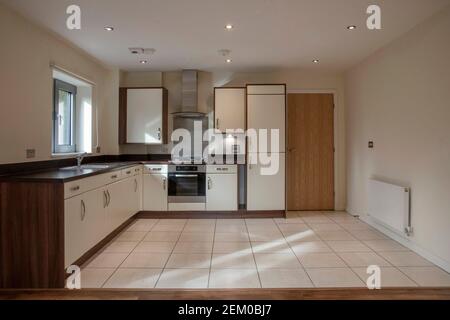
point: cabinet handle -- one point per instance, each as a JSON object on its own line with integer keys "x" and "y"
{"x": 209, "y": 183}
{"x": 135, "y": 185}
{"x": 114, "y": 176}
{"x": 105, "y": 199}
{"x": 217, "y": 123}
{"x": 164, "y": 183}
{"x": 136, "y": 170}
{"x": 76, "y": 188}
{"x": 159, "y": 133}
{"x": 109, "y": 198}
{"x": 128, "y": 172}
{"x": 83, "y": 210}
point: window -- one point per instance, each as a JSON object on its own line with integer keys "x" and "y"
{"x": 73, "y": 115}
{"x": 64, "y": 119}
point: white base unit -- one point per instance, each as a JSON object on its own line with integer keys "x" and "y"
{"x": 265, "y": 192}
{"x": 222, "y": 188}
{"x": 186, "y": 207}
{"x": 155, "y": 188}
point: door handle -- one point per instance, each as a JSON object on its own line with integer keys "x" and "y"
{"x": 217, "y": 123}
{"x": 164, "y": 184}
{"x": 135, "y": 185}
{"x": 159, "y": 133}
{"x": 186, "y": 175}
{"x": 109, "y": 198}
{"x": 105, "y": 199}
{"x": 83, "y": 210}
{"x": 209, "y": 183}
{"x": 291, "y": 149}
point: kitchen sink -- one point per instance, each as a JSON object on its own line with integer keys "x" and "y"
{"x": 87, "y": 167}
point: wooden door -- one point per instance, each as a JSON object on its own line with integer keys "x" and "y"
{"x": 310, "y": 159}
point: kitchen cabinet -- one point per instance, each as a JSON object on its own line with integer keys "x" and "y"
{"x": 229, "y": 108}
{"x": 265, "y": 192}
{"x": 222, "y": 188}
{"x": 155, "y": 187}
{"x": 143, "y": 115}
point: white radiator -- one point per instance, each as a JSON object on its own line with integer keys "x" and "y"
{"x": 389, "y": 205}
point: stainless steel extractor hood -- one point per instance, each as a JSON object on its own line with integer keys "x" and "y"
{"x": 189, "y": 106}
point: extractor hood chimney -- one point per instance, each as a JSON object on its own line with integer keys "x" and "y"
{"x": 189, "y": 99}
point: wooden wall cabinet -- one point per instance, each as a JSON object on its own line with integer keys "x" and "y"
{"x": 229, "y": 108}
{"x": 143, "y": 115}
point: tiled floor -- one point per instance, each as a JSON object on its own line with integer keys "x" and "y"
{"x": 309, "y": 249}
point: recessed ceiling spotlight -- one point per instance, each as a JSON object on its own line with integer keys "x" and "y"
{"x": 315, "y": 61}
{"x": 144, "y": 61}
{"x": 229, "y": 27}
{"x": 109, "y": 28}
{"x": 351, "y": 27}
{"x": 229, "y": 60}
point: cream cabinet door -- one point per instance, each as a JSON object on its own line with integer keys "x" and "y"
{"x": 117, "y": 204}
{"x": 221, "y": 192}
{"x": 155, "y": 192}
{"x": 265, "y": 192}
{"x": 229, "y": 108}
{"x": 266, "y": 112}
{"x": 84, "y": 220}
{"x": 145, "y": 115}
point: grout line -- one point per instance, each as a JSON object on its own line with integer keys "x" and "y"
{"x": 212, "y": 251}
{"x": 171, "y": 252}
{"x": 253, "y": 254}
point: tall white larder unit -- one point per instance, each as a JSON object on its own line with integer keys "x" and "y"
{"x": 266, "y": 110}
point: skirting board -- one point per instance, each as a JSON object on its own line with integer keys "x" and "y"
{"x": 210, "y": 214}
{"x": 408, "y": 244}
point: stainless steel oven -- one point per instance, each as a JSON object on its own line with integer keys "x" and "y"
{"x": 187, "y": 183}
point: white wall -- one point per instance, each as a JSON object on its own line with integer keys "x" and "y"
{"x": 26, "y": 102}
{"x": 400, "y": 98}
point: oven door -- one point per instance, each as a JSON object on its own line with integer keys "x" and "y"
{"x": 187, "y": 188}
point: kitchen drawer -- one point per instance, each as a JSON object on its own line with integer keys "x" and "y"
{"x": 221, "y": 169}
{"x": 77, "y": 187}
{"x": 137, "y": 170}
{"x": 128, "y": 172}
{"x": 155, "y": 168}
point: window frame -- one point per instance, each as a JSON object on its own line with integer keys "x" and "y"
{"x": 67, "y": 87}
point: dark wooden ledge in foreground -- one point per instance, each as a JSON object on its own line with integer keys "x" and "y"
{"x": 229, "y": 294}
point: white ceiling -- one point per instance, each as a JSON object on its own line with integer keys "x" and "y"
{"x": 267, "y": 34}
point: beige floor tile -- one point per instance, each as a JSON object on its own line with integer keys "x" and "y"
{"x": 189, "y": 260}
{"x": 196, "y": 237}
{"x": 162, "y": 236}
{"x": 95, "y": 278}
{"x": 322, "y": 260}
{"x": 385, "y": 245}
{"x": 324, "y": 226}
{"x": 234, "y": 278}
{"x": 227, "y": 222}
{"x": 233, "y": 261}
{"x": 348, "y": 246}
{"x": 404, "y": 259}
{"x": 232, "y": 247}
{"x": 131, "y": 236}
{"x": 284, "y": 278}
{"x": 203, "y": 222}
{"x": 259, "y": 221}
{"x": 120, "y": 247}
{"x": 301, "y": 248}
{"x": 278, "y": 246}
{"x": 308, "y": 213}
{"x": 368, "y": 235}
{"x": 363, "y": 259}
{"x": 231, "y": 237}
{"x": 265, "y": 236}
{"x": 145, "y": 260}
{"x": 172, "y": 221}
{"x": 168, "y": 227}
{"x": 335, "y": 235}
{"x": 193, "y": 247}
{"x": 334, "y": 278}
{"x": 317, "y": 219}
{"x": 107, "y": 260}
{"x": 183, "y": 278}
{"x": 357, "y": 225}
{"x": 428, "y": 276}
{"x": 154, "y": 247}
{"x": 305, "y": 236}
{"x": 289, "y": 220}
{"x": 142, "y": 225}
{"x": 231, "y": 228}
{"x": 133, "y": 278}
{"x": 276, "y": 260}
{"x": 390, "y": 277}
{"x": 293, "y": 227}
{"x": 199, "y": 228}
{"x": 343, "y": 219}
